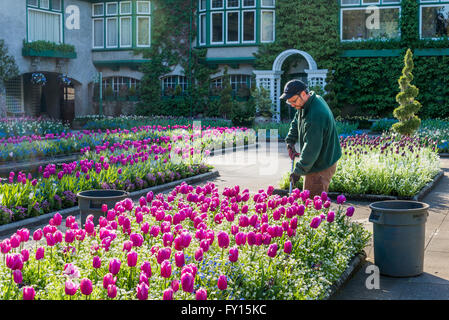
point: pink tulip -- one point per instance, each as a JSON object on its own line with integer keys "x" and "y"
{"x": 28, "y": 293}
{"x": 146, "y": 267}
{"x": 132, "y": 258}
{"x": 240, "y": 239}
{"x": 315, "y": 223}
{"x": 179, "y": 259}
{"x": 37, "y": 235}
{"x": 57, "y": 219}
{"x": 222, "y": 282}
{"x": 168, "y": 294}
{"x": 166, "y": 269}
{"x": 137, "y": 239}
{"x": 223, "y": 239}
{"x": 201, "y": 294}
{"x": 187, "y": 282}
{"x": 143, "y": 278}
{"x": 331, "y": 216}
{"x": 40, "y": 253}
{"x": 272, "y": 250}
{"x": 199, "y": 254}
{"x": 17, "y": 275}
{"x": 114, "y": 266}
{"x": 70, "y": 288}
{"x": 175, "y": 285}
{"x": 96, "y": 262}
{"x": 145, "y": 228}
{"x": 142, "y": 291}
{"x": 109, "y": 279}
{"x": 233, "y": 254}
{"x": 86, "y": 286}
{"x": 15, "y": 240}
{"x": 127, "y": 245}
{"x": 112, "y": 291}
{"x": 288, "y": 247}
{"x": 69, "y": 236}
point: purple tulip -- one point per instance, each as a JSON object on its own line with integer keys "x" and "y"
{"x": 341, "y": 199}
{"x": 108, "y": 280}
{"x": 168, "y": 294}
{"x": 114, "y": 266}
{"x": 233, "y": 254}
{"x": 222, "y": 282}
{"x": 112, "y": 291}
{"x": 187, "y": 282}
{"x": 331, "y": 216}
{"x": 350, "y": 211}
{"x": 70, "y": 288}
{"x": 96, "y": 262}
{"x": 201, "y": 294}
{"x": 288, "y": 247}
{"x": 28, "y": 293}
{"x": 223, "y": 239}
{"x": 17, "y": 275}
{"x": 86, "y": 286}
{"x": 272, "y": 250}
{"x": 315, "y": 222}
{"x": 142, "y": 291}
{"x": 132, "y": 258}
{"x": 146, "y": 267}
{"x": 166, "y": 269}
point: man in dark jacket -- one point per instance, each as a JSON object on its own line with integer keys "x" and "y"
{"x": 314, "y": 128}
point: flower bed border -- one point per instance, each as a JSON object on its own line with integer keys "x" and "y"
{"x": 352, "y": 268}
{"x": 374, "y": 197}
{"x": 42, "y": 219}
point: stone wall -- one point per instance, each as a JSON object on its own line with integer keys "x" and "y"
{"x": 116, "y": 108}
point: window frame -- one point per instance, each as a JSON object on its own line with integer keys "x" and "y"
{"x": 93, "y": 10}
{"x": 347, "y": 8}
{"x": 120, "y": 31}
{"x": 245, "y": 7}
{"x": 61, "y": 21}
{"x": 265, "y": 6}
{"x": 93, "y": 32}
{"x": 233, "y": 8}
{"x": 429, "y": 4}
{"x": 137, "y": 31}
{"x": 243, "y": 26}
{"x": 222, "y": 29}
{"x": 238, "y": 27}
{"x": 126, "y": 13}
{"x": 274, "y": 26}
{"x": 107, "y": 35}
{"x": 143, "y": 13}
{"x": 111, "y": 14}
{"x": 200, "y": 29}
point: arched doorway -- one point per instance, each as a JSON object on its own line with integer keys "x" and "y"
{"x": 271, "y": 79}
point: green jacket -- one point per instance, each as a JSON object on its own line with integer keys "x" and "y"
{"x": 315, "y": 129}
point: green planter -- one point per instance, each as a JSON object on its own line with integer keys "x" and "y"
{"x": 28, "y": 52}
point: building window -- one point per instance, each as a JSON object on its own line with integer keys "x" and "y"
{"x": 44, "y": 21}
{"x": 171, "y": 83}
{"x": 217, "y": 27}
{"x": 366, "y": 22}
{"x": 203, "y": 27}
{"x": 202, "y": 5}
{"x": 123, "y": 24}
{"x": 120, "y": 83}
{"x": 267, "y": 27}
{"x": 98, "y": 37}
{"x": 237, "y": 81}
{"x": 233, "y": 26}
{"x": 434, "y": 21}
{"x": 231, "y": 22}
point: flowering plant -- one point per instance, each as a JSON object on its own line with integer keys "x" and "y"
{"x": 39, "y": 79}
{"x": 65, "y": 80}
{"x": 193, "y": 243}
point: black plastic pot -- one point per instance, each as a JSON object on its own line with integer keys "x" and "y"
{"x": 91, "y": 201}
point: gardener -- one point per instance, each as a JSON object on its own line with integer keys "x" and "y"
{"x": 315, "y": 129}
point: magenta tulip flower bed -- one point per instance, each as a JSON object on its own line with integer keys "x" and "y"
{"x": 192, "y": 244}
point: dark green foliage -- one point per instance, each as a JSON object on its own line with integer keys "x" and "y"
{"x": 359, "y": 86}
{"x": 226, "y": 100}
{"x": 243, "y": 113}
{"x": 8, "y": 67}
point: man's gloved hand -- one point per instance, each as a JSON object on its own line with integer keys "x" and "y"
{"x": 292, "y": 151}
{"x": 294, "y": 178}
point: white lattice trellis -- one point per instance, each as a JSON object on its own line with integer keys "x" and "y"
{"x": 271, "y": 79}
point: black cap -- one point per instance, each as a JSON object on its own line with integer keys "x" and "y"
{"x": 293, "y": 87}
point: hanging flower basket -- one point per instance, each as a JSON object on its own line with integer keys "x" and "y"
{"x": 64, "y": 79}
{"x": 38, "y": 79}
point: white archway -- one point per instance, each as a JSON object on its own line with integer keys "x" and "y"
{"x": 271, "y": 79}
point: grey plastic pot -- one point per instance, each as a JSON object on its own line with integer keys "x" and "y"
{"x": 399, "y": 236}
{"x": 91, "y": 201}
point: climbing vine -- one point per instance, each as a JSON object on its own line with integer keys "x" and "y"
{"x": 359, "y": 86}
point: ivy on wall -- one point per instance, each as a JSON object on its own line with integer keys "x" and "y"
{"x": 173, "y": 30}
{"x": 359, "y": 86}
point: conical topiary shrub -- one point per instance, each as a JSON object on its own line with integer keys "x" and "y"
{"x": 408, "y": 106}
